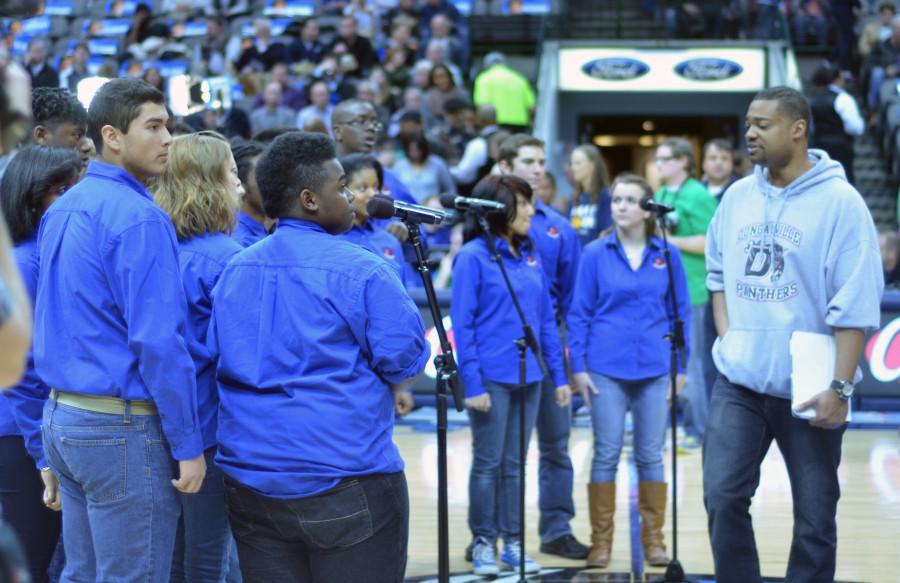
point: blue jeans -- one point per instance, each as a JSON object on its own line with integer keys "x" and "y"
{"x": 203, "y": 539}
{"x": 357, "y": 531}
{"x": 697, "y": 391}
{"x": 647, "y": 399}
{"x": 23, "y": 508}
{"x": 119, "y": 507}
{"x": 877, "y": 77}
{"x": 555, "y": 473}
{"x": 494, "y": 477}
{"x": 742, "y": 425}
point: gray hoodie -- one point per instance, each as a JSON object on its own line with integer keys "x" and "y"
{"x": 803, "y": 258}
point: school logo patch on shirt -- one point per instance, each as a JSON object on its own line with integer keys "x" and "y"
{"x": 553, "y": 232}
{"x": 530, "y": 260}
{"x": 659, "y": 263}
{"x": 389, "y": 254}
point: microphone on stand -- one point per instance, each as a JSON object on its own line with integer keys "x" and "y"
{"x": 649, "y": 204}
{"x": 463, "y": 203}
{"x": 385, "y": 207}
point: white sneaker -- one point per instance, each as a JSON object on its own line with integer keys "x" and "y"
{"x": 484, "y": 561}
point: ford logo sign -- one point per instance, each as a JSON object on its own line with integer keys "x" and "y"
{"x": 616, "y": 68}
{"x": 708, "y": 69}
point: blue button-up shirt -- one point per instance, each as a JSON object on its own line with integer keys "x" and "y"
{"x": 110, "y": 309}
{"x": 485, "y": 322}
{"x": 21, "y": 407}
{"x": 620, "y": 316}
{"x": 310, "y": 331}
{"x": 379, "y": 242}
{"x": 559, "y": 247}
{"x": 202, "y": 260}
{"x": 247, "y": 231}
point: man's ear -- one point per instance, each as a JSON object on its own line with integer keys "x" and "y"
{"x": 801, "y": 129}
{"x": 41, "y": 135}
{"x": 338, "y": 133}
{"x": 505, "y": 167}
{"x": 111, "y": 139}
{"x": 309, "y": 200}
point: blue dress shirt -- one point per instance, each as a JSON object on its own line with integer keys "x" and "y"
{"x": 559, "y": 247}
{"x": 485, "y": 322}
{"x": 202, "y": 260}
{"x": 381, "y": 243}
{"x": 22, "y": 407}
{"x": 620, "y": 316}
{"x": 110, "y": 309}
{"x": 310, "y": 331}
{"x": 247, "y": 231}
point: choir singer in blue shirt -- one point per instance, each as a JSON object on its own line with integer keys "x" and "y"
{"x": 317, "y": 342}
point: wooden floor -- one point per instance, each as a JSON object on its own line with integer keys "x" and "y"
{"x": 868, "y": 514}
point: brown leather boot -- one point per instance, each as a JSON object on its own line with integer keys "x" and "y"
{"x": 652, "y": 506}
{"x": 602, "y": 503}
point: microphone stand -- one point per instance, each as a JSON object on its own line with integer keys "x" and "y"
{"x": 674, "y": 571}
{"x": 447, "y": 375}
{"x": 527, "y": 341}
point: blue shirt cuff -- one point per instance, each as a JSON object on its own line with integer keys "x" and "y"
{"x": 188, "y": 447}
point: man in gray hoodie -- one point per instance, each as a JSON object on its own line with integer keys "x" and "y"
{"x": 791, "y": 248}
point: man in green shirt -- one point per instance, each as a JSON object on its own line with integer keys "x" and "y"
{"x": 694, "y": 209}
{"x": 507, "y": 90}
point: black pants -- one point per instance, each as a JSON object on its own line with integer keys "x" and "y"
{"x": 21, "y": 491}
{"x": 356, "y": 532}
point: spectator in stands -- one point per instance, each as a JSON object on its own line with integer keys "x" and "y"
{"x": 331, "y": 71}
{"x": 139, "y": 30}
{"x": 844, "y": 16}
{"x": 152, "y": 76}
{"x": 291, "y": 96}
{"x": 836, "y": 120}
{"x": 29, "y": 490}
{"x": 769, "y": 20}
{"x": 811, "y": 23}
{"x": 441, "y": 32}
{"x": 718, "y": 167}
{"x": 457, "y": 129}
{"x": 546, "y": 192}
{"x": 260, "y": 52}
{"x": 404, "y": 12}
{"x": 876, "y": 31}
{"x": 307, "y": 48}
{"x": 252, "y": 223}
{"x": 889, "y": 243}
{"x": 77, "y": 69}
{"x": 272, "y": 114}
{"x": 441, "y": 89}
{"x": 412, "y": 102}
{"x": 423, "y": 173}
{"x": 591, "y": 212}
{"x": 358, "y": 46}
{"x": 436, "y": 54}
{"x": 60, "y": 121}
{"x": 210, "y": 56}
{"x": 687, "y": 224}
{"x": 366, "y": 91}
{"x": 37, "y": 64}
{"x": 476, "y": 161}
{"x": 319, "y": 105}
{"x": 430, "y": 8}
{"x": 402, "y": 38}
{"x": 384, "y": 95}
{"x": 885, "y": 64}
{"x": 367, "y": 20}
{"x": 443, "y": 277}
{"x": 507, "y": 90}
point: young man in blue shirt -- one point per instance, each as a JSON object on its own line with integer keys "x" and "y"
{"x": 557, "y": 243}
{"x": 317, "y": 343}
{"x": 109, "y": 324}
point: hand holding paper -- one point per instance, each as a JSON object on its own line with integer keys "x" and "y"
{"x": 812, "y": 368}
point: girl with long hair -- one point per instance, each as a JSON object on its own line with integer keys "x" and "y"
{"x": 590, "y": 213}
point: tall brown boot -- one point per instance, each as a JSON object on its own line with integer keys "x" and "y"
{"x": 602, "y": 502}
{"x": 652, "y": 506}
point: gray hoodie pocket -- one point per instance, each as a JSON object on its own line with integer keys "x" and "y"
{"x": 758, "y": 359}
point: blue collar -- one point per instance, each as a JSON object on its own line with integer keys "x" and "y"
{"x": 105, "y": 170}
{"x": 612, "y": 240}
{"x": 300, "y": 225}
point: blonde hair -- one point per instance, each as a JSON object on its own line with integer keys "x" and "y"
{"x": 193, "y": 190}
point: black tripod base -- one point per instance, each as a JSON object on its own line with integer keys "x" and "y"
{"x": 674, "y": 574}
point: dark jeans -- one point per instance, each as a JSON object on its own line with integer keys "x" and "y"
{"x": 555, "y": 473}
{"x": 357, "y": 531}
{"x": 21, "y": 491}
{"x": 739, "y": 431}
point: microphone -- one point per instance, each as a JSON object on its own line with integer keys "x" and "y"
{"x": 648, "y": 204}
{"x": 448, "y": 201}
{"x": 385, "y": 207}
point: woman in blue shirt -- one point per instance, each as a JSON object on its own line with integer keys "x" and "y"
{"x": 620, "y": 315}
{"x": 201, "y": 192}
{"x": 36, "y": 177}
{"x": 485, "y": 327}
{"x": 590, "y": 213}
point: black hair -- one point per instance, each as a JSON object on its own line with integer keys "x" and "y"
{"x": 720, "y": 144}
{"x": 292, "y": 163}
{"x": 417, "y": 139}
{"x": 32, "y": 172}
{"x": 268, "y": 135}
{"x": 457, "y": 104}
{"x": 824, "y": 75}
{"x": 244, "y": 152}
{"x": 501, "y": 189}
{"x": 887, "y": 6}
{"x": 411, "y": 116}
{"x": 790, "y": 101}
{"x": 446, "y": 69}
{"x": 354, "y": 163}
{"x": 51, "y": 106}
{"x": 117, "y": 104}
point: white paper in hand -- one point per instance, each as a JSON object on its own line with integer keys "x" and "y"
{"x": 812, "y": 369}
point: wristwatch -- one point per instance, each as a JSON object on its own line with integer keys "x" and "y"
{"x": 844, "y": 389}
